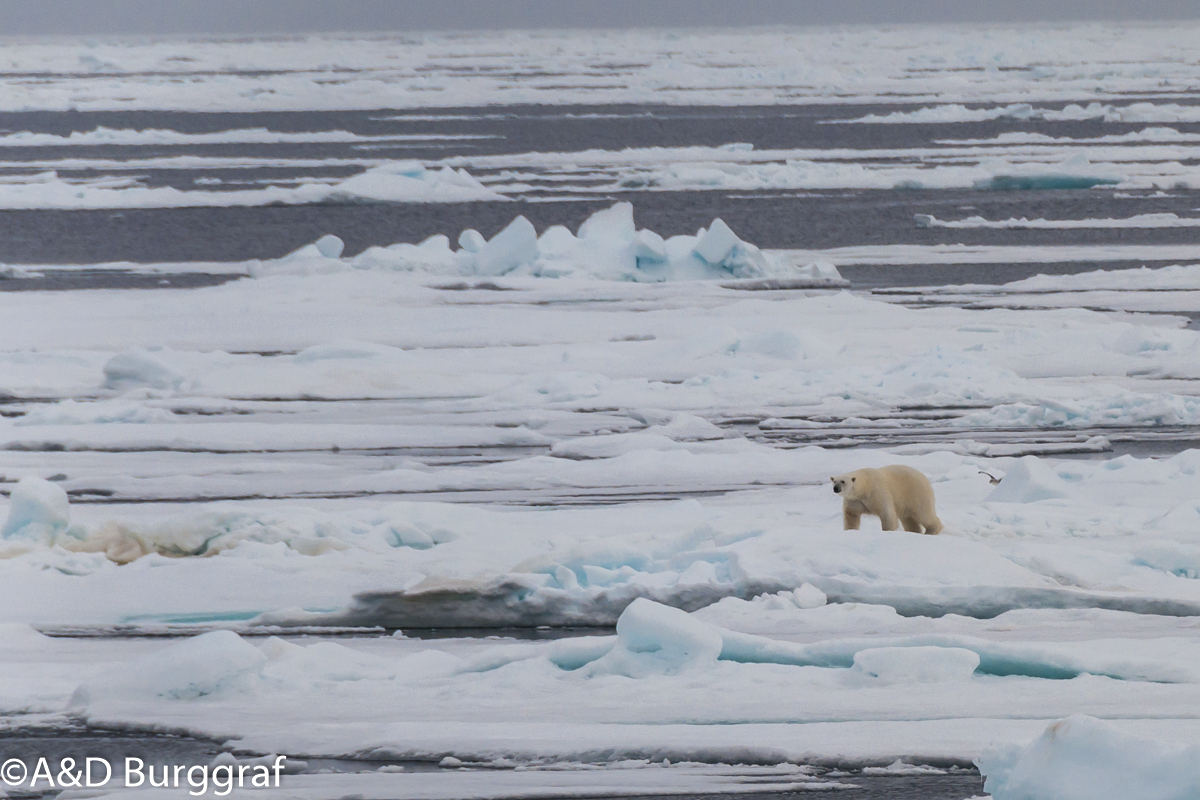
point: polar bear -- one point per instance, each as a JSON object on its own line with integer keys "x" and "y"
{"x": 896, "y": 494}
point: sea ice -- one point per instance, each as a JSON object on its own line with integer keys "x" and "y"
{"x": 38, "y": 510}
{"x": 151, "y": 136}
{"x": 688, "y": 428}
{"x": 917, "y": 664}
{"x": 197, "y": 667}
{"x": 1108, "y": 62}
{"x": 514, "y": 246}
{"x": 136, "y": 368}
{"x": 607, "y": 246}
{"x": 1164, "y": 220}
{"x": 1134, "y": 112}
{"x": 96, "y": 412}
{"x": 396, "y": 182}
{"x": 654, "y": 639}
{"x": 1083, "y": 758}
{"x": 1028, "y": 481}
{"x": 809, "y": 596}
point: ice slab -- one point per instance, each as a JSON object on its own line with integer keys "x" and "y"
{"x": 1164, "y": 220}
{"x": 654, "y": 639}
{"x": 38, "y": 510}
{"x": 198, "y": 667}
{"x": 1028, "y": 481}
{"x": 102, "y": 135}
{"x": 927, "y": 664}
{"x": 1072, "y": 112}
{"x": 397, "y": 182}
{"x": 1083, "y": 758}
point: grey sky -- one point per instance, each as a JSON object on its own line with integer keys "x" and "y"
{"x": 32, "y": 17}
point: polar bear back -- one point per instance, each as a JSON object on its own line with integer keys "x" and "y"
{"x": 910, "y": 491}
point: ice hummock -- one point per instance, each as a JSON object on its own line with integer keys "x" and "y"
{"x": 1083, "y": 758}
{"x": 38, "y": 510}
{"x": 653, "y": 639}
{"x": 608, "y": 245}
{"x": 194, "y": 668}
{"x": 1029, "y": 480}
{"x": 137, "y": 368}
{"x": 94, "y": 412}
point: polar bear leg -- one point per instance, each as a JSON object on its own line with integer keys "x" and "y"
{"x": 851, "y": 519}
{"x": 911, "y": 525}
{"x": 887, "y": 517}
{"x": 933, "y": 526}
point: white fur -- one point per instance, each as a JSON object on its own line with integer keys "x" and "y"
{"x": 896, "y": 494}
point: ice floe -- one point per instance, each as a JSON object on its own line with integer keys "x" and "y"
{"x": 989, "y": 173}
{"x": 1138, "y": 221}
{"x": 395, "y": 182}
{"x": 1133, "y": 112}
{"x": 151, "y": 136}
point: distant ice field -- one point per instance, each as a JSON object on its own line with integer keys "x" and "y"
{"x": 1001, "y": 64}
{"x": 153, "y": 186}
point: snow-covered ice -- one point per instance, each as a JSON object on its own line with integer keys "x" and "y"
{"x": 150, "y": 136}
{"x": 1133, "y": 112}
{"x": 1139, "y": 221}
{"x": 1173, "y": 289}
{"x": 37, "y": 510}
{"x": 614, "y": 427}
{"x": 401, "y": 181}
{"x": 607, "y": 245}
{"x": 1054, "y": 593}
{"x": 1083, "y": 758}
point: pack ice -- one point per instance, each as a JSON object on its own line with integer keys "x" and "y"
{"x": 607, "y": 246}
{"x": 393, "y": 182}
{"x": 441, "y": 436}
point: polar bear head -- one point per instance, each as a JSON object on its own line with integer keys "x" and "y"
{"x": 846, "y": 485}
